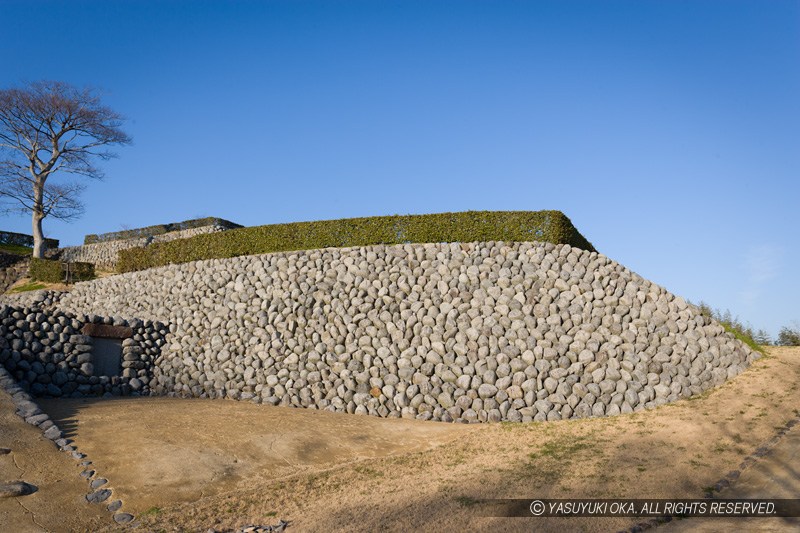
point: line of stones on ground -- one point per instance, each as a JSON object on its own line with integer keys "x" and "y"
{"x": 29, "y": 411}
{"x": 727, "y": 481}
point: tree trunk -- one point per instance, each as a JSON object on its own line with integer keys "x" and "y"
{"x": 38, "y": 237}
{"x": 38, "y": 214}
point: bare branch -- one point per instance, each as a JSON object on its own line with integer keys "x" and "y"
{"x": 61, "y": 201}
{"x": 48, "y": 128}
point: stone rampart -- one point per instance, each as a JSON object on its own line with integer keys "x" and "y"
{"x": 12, "y": 268}
{"x": 467, "y": 332}
{"x": 48, "y": 354}
{"x": 104, "y": 254}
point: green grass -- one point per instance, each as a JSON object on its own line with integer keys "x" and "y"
{"x": 30, "y": 286}
{"x": 743, "y": 336}
{"x": 703, "y": 395}
{"x": 153, "y": 511}
{"x": 15, "y": 249}
{"x": 466, "y": 501}
{"x": 367, "y": 471}
{"x": 561, "y": 448}
{"x": 721, "y": 447}
{"x": 732, "y": 325}
{"x": 552, "y": 458}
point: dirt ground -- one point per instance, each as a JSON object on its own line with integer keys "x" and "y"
{"x": 778, "y": 476}
{"x": 157, "y": 451}
{"x": 195, "y": 464}
{"x": 58, "y": 504}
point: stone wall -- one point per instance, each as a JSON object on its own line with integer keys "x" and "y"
{"x": 160, "y": 229}
{"x": 468, "y": 332}
{"x": 45, "y": 351}
{"x": 104, "y": 254}
{"x": 12, "y": 268}
{"x": 22, "y": 239}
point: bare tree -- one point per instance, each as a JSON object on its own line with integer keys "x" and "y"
{"x": 762, "y": 338}
{"x": 789, "y": 335}
{"x": 49, "y": 128}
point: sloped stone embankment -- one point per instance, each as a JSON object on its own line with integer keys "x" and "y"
{"x": 472, "y": 332}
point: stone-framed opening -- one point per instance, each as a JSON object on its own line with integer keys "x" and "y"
{"x": 107, "y": 348}
{"x": 106, "y": 357}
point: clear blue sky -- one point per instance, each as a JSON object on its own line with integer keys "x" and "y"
{"x": 668, "y": 131}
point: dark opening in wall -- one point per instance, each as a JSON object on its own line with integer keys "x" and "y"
{"x": 107, "y": 356}
{"x": 107, "y": 347}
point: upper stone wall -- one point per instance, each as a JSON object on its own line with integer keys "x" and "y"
{"x": 104, "y": 254}
{"x": 470, "y": 332}
{"x": 23, "y": 239}
{"x": 159, "y": 229}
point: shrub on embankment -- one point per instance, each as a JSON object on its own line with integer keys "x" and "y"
{"x": 470, "y": 226}
{"x": 53, "y": 271}
{"x": 732, "y": 325}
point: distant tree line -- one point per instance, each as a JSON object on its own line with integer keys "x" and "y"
{"x": 787, "y": 336}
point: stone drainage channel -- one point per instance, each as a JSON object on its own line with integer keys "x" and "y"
{"x": 725, "y": 482}
{"x": 28, "y": 410}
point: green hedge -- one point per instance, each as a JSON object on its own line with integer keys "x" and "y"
{"x": 46, "y": 270}
{"x": 159, "y": 229}
{"x": 53, "y": 271}
{"x": 470, "y": 226}
{"x": 81, "y": 271}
